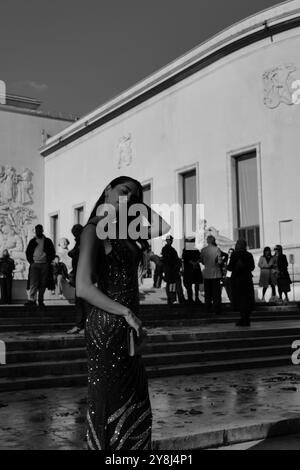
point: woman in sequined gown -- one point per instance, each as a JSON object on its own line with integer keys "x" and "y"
{"x": 119, "y": 412}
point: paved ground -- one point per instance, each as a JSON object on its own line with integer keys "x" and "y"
{"x": 188, "y": 411}
{"x": 291, "y": 442}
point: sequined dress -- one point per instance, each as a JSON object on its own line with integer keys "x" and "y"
{"x": 119, "y": 412}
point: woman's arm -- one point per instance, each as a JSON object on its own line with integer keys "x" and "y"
{"x": 261, "y": 262}
{"x": 85, "y": 287}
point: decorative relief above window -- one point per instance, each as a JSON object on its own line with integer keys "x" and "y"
{"x": 125, "y": 152}
{"x": 278, "y": 85}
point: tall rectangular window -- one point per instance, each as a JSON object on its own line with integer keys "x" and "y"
{"x": 286, "y": 232}
{"x": 79, "y": 215}
{"x": 247, "y": 199}
{"x": 147, "y": 194}
{"x": 189, "y": 199}
{"x": 54, "y": 229}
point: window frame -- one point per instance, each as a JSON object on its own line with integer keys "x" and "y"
{"x": 82, "y": 205}
{"x": 232, "y": 186}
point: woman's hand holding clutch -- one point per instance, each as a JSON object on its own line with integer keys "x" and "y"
{"x": 133, "y": 321}
{"x": 137, "y": 336}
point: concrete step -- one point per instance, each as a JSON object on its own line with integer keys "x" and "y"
{"x": 47, "y": 343}
{"x": 213, "y": 320}
{"x": 217, "y": 366}
{"x": 19, "y": 357}
{"x": 70, "y": 351}
{"x": 165, "y": 339}
{"x": 80, "y": 379}
{"x": 36, "y": 327}
{"x": 38, "y": 320}
{"x": 230, "y": 334}
{"x": 61, "y": 364}
{"x": 46, "y": 316}
{"x": 215, "y": 355}
{"x": 225, "y": 344}
{"x": 38, "y": 369}
{"x": 43, "y": 326}
{"x": 46, "y": 381}
{"x": 146, "y": 311}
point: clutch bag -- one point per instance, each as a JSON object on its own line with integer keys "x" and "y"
{"x": 135, "y": 342}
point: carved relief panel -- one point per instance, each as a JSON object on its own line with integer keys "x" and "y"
{"x": 17, "y": 218}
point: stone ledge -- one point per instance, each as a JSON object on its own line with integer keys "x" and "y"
{"x": 235, "y": 435}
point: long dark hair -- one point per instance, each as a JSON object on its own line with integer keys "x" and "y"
{"x": 143, "y": 245}
{"x": 113, "y": 184}
{"x": 267, "y": 249}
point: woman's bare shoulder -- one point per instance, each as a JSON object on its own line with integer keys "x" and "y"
{"x": 93, "y": 221}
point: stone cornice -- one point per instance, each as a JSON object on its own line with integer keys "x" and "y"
{"x": 35, "y": 113}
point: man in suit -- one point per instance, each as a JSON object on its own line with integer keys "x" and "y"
{"x": 211, "y": 258}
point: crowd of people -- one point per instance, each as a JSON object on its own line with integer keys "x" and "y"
{"x": 231, "y": 271}
{"x": 46, "y": 271}
{"x": 210, "y": 267}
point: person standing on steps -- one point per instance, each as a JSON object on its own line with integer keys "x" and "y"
{"x": 283, "y": 278}
{"x": 211, "y": 258}
{"x": 80, "y": 305}
{"x": 267, "y": 265}
{"x": 227, "y": 275}
{"x": 7, "y": 266}
{"x": 241, "y": 265}
{"x": 172, "y": 266}
{"x": 40, "y": 253}
{"x": 192, "y": 275}
{"x": 119, "y": 415}
{"x": 158, "y": 270}
{"x": 60, "y": 274}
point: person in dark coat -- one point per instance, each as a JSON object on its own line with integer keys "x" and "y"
{"x": 7, "y": 266}
{"x": 40, "y": 253}
{"x": 283, "y": 277}
{"x": 171, "y": 267}
{"x": 192, "y": 271}
{"x": 80, "y": 304}
{"x": 158, "y": 271}
{"x": 241, "y": 265}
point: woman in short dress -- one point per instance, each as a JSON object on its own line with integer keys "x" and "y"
{"x": 119, "y": 412}
{"x": 267, "y": 265}
{"x": 283, "y": 277}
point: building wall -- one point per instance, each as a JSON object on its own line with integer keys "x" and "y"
{"x": 201, "y": 122}
{"x": 22, "y": 172}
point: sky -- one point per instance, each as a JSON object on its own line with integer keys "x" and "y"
{"x": 76, "y": 55}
